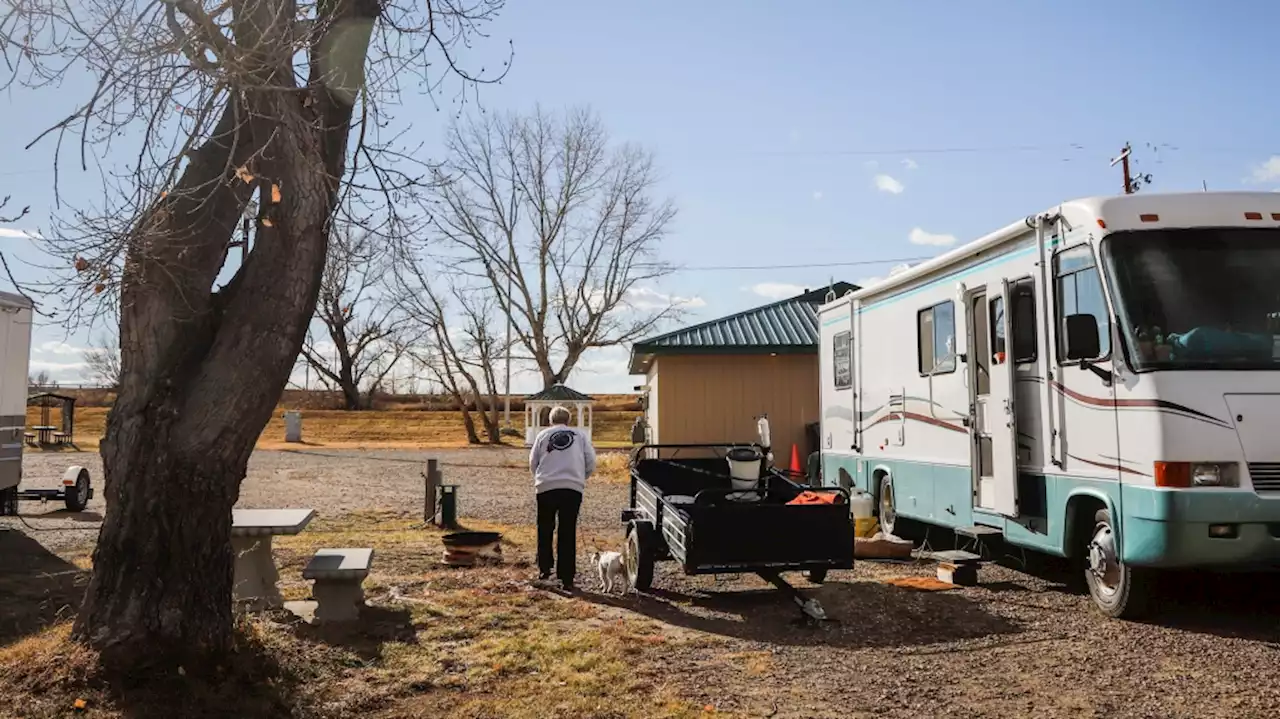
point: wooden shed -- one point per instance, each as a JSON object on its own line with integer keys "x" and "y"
{"x": 709, "y": 382}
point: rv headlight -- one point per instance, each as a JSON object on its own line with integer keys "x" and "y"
{"x": 1213, "y": 474}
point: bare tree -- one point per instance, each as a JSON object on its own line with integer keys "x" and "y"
{"x": 103, "y": 363}
{"x": 461, "y": 348}
{"x": 213, "y": 104}
{"x": 559, "y": 227}
{"x": 41, "y": 380}
{"x": 367, "y": 335}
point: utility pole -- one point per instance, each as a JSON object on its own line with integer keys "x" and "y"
{"x": 1123, "y": 159}
{"x": 1132, "y": 183}
{"x": 506, "y": 392}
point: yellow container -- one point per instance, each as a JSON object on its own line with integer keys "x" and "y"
{"x": 865, "y": 526}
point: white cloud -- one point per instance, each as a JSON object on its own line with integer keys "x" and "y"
{"x": 885, "y": 183}
{"x": 920, "y": 237}
{"x": 910, "y": 164}
{"x": 817, "y": 195}
{"x": 776, "y": 290}
{"x": 57, "y": 348}
{"x": 1267, "y": 171}
{"x": 896, "y": 269}
{"x": 647, "y": 298}
{"x": 17, "y": 234}
{"x": 871, "y": 165}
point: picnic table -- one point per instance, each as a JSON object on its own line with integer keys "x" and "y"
{"x": 255, "y": 572}
{"x": 44, "y": 433}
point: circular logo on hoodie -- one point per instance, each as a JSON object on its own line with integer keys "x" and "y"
{"x": 560, "y": 440}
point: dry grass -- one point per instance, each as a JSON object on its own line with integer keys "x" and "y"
{"x": 372, "y": 429}
{"x": 435, "y": 642}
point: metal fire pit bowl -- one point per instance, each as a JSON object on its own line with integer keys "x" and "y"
{"x": 465, "y": 549}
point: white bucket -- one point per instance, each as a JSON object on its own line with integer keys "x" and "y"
{"x": 744, "y": 472}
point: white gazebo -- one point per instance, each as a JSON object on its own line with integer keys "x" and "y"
{"x": 537, "y": 410}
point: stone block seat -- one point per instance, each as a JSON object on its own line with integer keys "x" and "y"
{"x": 338, "y": 575}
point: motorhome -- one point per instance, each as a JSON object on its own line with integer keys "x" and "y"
{"x": 1099, "y": 381}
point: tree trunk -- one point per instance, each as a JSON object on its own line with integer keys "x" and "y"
{"x": 201, "y": 370}
{"x": 469, "y": 423}
{"x": 351, "y": 397}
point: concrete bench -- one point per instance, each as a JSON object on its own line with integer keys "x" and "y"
{"x": 338, "y": 576}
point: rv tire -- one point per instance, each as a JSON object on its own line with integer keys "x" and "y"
{"x": 1118, "y": 590}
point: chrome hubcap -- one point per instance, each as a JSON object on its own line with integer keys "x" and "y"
{"x": 1103, "y": 563}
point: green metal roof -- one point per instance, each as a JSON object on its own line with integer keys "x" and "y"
{"x": 787, "y": 326}
{"x": 559, "y": 393}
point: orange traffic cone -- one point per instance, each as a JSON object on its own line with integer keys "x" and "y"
{"x": 795, "y": 462}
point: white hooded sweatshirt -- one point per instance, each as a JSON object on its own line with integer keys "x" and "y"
{"x": 561, "y": 458}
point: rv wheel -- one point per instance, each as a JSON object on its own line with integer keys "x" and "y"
{"x": 1118, "y": 590}
{"x": 888, "y": 513}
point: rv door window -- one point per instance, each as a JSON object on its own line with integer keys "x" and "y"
{"x": 842, "y": 359}
{"x": 1079, "y": 290}
{"x": 1024, "y": 321}
{"x": 936, "y": 329}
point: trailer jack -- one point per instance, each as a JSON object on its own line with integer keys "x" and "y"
{"x": 809, "y": 607}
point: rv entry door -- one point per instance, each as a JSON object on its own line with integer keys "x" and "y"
{"x": 1000, "y": 421}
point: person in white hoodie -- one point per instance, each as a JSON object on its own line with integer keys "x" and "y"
{"x": 561, "y": 460}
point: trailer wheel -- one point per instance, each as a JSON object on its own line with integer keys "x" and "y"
{"x": 817, "y": 576}
{"x": 76, "y": 497}
{"x": 640, "y": 555}
{"x": 1118, "y": 590}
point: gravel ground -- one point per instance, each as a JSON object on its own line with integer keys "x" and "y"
{"x": 1021, "y": 644}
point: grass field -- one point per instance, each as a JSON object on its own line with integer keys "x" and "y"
{"x": 373, "y": 428}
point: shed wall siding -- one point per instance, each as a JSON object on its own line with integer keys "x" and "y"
{"x": 716, "y": 398}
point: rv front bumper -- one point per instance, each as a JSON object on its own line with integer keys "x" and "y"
{"x": 1171, "y": 528}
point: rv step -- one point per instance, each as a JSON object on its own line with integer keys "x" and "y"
{"x": 956, "y": 556}
{"x": 978, "y": 531}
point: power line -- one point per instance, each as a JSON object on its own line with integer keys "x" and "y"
{"x": 810, "y": 265}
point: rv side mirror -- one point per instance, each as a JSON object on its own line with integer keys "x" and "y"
{"x": 1082, "y": 337}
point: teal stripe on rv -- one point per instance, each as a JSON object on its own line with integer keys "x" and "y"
{"x": 952, "y": 277}
{"x": 961, "y": 274}
{"x": 1158, "y": 527}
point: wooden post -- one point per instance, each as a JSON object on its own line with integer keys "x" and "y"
{"x": 430, "y": 483}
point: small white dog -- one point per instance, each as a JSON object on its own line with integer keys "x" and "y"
{"x": 612, "y": 575}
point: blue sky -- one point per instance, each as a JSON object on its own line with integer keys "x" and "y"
{"x": 842, "y": 132}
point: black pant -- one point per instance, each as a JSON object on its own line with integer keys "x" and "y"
{"x": 562, "y": 504}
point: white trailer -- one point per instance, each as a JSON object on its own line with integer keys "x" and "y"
{"x": 15, "y": 353}
{"x": 1100, "y": 381}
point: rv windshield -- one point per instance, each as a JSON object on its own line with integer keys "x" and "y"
{"x": 1203, "y": 298}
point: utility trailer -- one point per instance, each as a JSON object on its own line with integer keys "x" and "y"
{"x": 690, "y": 510}
{"x": 75, "y": 489}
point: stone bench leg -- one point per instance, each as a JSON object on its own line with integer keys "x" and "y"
{"x": 255, "y": 573}
{"x": 338, "y": 600}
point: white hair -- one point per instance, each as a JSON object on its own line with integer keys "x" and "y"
{"x": 560, "y": 415}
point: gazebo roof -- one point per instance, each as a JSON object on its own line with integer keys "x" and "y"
{"x": 50, "y": 395}
{"x": 558, "y": 393}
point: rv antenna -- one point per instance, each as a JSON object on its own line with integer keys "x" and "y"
{"x": 1205, "y": 185}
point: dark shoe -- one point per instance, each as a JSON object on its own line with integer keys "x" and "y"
{"x": 544, "y": 576}
{"x": 567, "y": 584}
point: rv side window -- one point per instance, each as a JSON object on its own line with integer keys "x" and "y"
{"x": 842, "y": 359}
{"x": 936, "y": 332}
{"x": 1024, "y": 320}
{"x": 1079, "y": 292}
